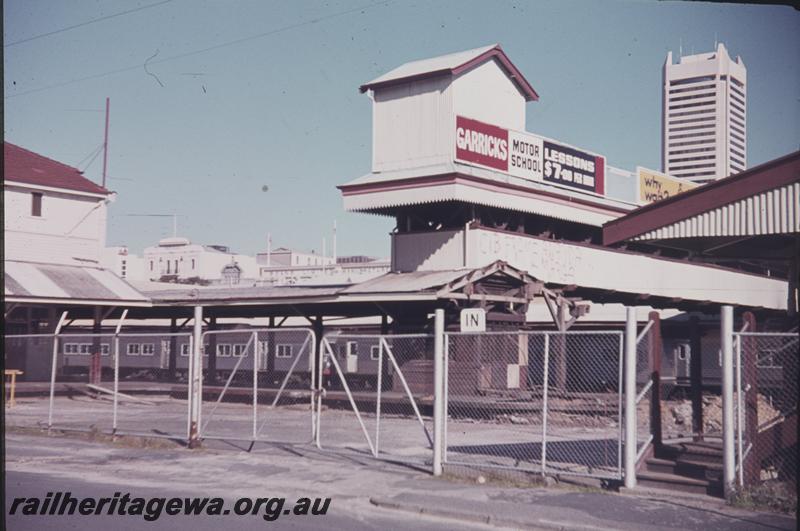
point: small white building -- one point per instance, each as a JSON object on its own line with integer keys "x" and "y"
{"x": 123, "y": 263}
{"x": 179, "y": 259}
{"x": 52, "y": 213}
{"x": 346, "y": 270}
{"x": 284, "y": 257}
{"x": 54, "y": 241}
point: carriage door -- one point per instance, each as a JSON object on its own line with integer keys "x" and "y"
{"x": 351, "y": 357}
{"x": 683, "y": 356}
{"x": 165, "y": 344}
{"x": 263, "y": 355}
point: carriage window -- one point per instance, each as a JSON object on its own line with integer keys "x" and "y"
{"x": 185, "y": 349}
{"x": 352, "y": 348}
{"x": 205, "y": 349}
{"x": 240, "y": 350}
{"x": 148, "y": 349}
{"x": 105, "y": 349}
{"x": 70, "y": 349}
{"x": 683, "y": 351}
{"x": 86, "y": 349}
{"x": 283, "y": 351}
{"x": 224, "y": 351}
{"x": 374, "y": 352}
{"x": 134, "y": 349}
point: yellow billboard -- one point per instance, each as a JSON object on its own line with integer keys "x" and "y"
{"x": 655, "y": 186}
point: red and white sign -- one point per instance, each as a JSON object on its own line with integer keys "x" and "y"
{"x": 528, "y": 156}
{"x": 481, "y": 143}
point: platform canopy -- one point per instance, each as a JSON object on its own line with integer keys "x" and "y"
{"x": 750, "y": 220}
{"x": 393, "y": 293}
{"x": 66, "y": 285}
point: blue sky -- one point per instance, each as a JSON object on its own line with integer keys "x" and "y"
{"x": 246, "y": 94}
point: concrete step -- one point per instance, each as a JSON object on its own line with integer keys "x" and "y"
{"x": 685, "y": 467}
{"x": 709, "y": 453}
{"x": 679, "y": 483}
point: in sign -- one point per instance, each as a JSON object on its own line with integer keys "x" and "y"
{"x": 473, "y": 320}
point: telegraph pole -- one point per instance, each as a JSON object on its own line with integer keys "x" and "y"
{"x": 105, "y": 144}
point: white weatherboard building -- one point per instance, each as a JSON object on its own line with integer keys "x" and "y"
{"x": 52, "y": 213}
{"x": 704, "y": 131}
{"x": 180, "y": 259}
{"x": 468, "y": 186}
{"x": 54, "y": 239}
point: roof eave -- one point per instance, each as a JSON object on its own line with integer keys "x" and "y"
{"x": 636, "y": 222}
{"x": 514, "y": 74}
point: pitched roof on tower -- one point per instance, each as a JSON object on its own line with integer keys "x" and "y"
{"x": 453, "y": 64}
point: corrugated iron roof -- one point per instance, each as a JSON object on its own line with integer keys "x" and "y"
{"x": 708, "y": 200}
{"x": 380, "y": 192}
{"x": 453, "y": 64}
{"x": 70, "y": 284}
{"x": 411, "y": 282}
{"x": 23, "y": 166}
{"x": 159, "y": 292}
{"x": 776, "y": 211}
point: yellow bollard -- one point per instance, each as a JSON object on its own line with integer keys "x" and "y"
{"x": 13, "y": 373}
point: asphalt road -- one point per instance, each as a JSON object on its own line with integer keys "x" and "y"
{"x": 343, "y": 514}
{"x": 406, "y": 497}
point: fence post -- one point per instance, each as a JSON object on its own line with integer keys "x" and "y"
{"x": 53, "y": 369}
{"x": 545, "y": 386}
{"x": 438, "y": 390}
{"x": 726, "y": 344}
{"x": 656, "y": 351}
{"x": 255, "y": 383}
{"x": 751, "y": 463}
{"x": 696, "y": 377}
{"x": 379, "y": 390}
{"x": 116, "y": 369}
{"x": 195, "y": 378}
{"x": 630, "y": 397}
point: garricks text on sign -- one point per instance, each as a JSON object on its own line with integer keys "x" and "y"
{"x": 528, "y": 156}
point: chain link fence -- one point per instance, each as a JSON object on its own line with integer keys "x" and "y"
{"x": 138, "y": 383}
{"x": 154, "y": 407}
{"x": 767, "y": 385}
{"x": 377, "y": 395}
{"x": 547, "y": 402}
{"x": 260, "y": 385}
{"x": 33, "y": 356}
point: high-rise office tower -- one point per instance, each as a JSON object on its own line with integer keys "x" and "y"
{"x": 704, "y": 133}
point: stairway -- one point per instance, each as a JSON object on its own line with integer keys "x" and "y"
{"x": 690, "y": 467}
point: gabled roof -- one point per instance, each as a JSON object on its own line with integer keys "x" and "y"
{"x": 23, "y": 166}
{"x": 453, "y": 64}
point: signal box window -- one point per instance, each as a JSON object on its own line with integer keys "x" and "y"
{"x": 36, "y": 204}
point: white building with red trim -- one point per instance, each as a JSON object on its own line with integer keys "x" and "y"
{"x": 52, "y": 213}
{"x": 467, "y": 185}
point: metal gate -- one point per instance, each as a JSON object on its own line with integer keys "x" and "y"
{"x": 262, "y": 386}
{"x": 377, "y": 394}
{"x": 549, "y": 402}
{"x": 765, "y": 407}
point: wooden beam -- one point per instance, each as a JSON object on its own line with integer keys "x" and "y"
{"x": 482, "y": 297}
